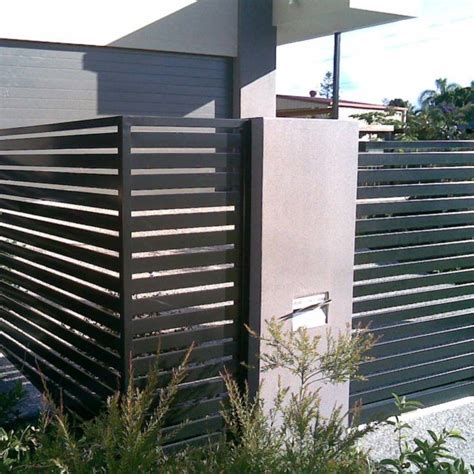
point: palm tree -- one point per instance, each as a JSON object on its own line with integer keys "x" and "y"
{"x": 429, "y": 96}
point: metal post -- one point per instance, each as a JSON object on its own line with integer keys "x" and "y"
{"x": 125, "y": 236}
{"x": 249, "y": 371}
{"x": 336, "y": 76}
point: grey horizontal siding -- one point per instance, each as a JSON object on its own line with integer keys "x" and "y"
{"x": 42, "y": 83}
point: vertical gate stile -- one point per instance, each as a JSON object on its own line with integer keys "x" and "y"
{"x": 245, "y": 374}
{"x": 125, "y": 236}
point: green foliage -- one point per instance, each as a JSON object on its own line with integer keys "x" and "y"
{"x": 18, "y": 444}
{"x": 16, "y": 448}
{"x": 422, "y": 456}
{"x": 445, "y": 113}
{"x": 379, "y": 118}
{"x": 127, "y": 437}
{"x": 291, "y": 435}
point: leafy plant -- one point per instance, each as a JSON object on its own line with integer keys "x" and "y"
{"x": 423, "y": 456}
{"x": 291, "y": 435}
{"x": 16, "y": 448}
{"x": 127, "y": 437}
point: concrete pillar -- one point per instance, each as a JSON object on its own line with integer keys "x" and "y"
{"x": 255, "y": 65}
{"x": 303, "y": 198}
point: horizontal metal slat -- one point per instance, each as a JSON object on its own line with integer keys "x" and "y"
{"x": 40, "y": 374}
{"x": 159, "y": 323}
{"x": 87, "y": 180}
{"x": 409, "y": 175}
{"x": 414, "y": 206}
{"x": 429, "y": 397}
{"x": 64, "y": 142}
{"x": 102, "y": 201}
{"x": 213, "y": 256}
{"x": 109, "y": 161}
{"x": 92, "y": 333}
{"x": 425, "y": 295}
{"x": 436, "y": 308}
{"x": 393, "y": 239}
{"x": 198, "y": 373}
{"x": 183, "y": 280}
{"x": 78, "y": 270}
{"x": 73, "y": 216}
{"x": 66, "y": 302}
{"x": 419, "y": 378}
{"x": 431, "y": 339}
{"x": 49, "y": 369}
{"x": 183, "y": 339}
{"x": 142, "y": 365}
{"x": 416, "y": 158}
{"x": 181, "y": 241}
{"x": 415, "y": 190}
{"x": 91, "y": 237}
{"x": 184, "y": 140}
{"x": 415, "y": 357}
{"x": 206, "y": 426}
{"x": 61, "y": 359}
{"x": 156, "y": 304}
{"x": 201, "y": 409}
{"x": 429, "y": 144}
{"x": 183, "y": 181}
{"x": 417, "y": 252}
{"x": 88, "y": 275}
{"x": 414, "y": 222}
{"x": 422, "y": 327}
{"x": 100, "y": 298}
{"x": 185, "y": 122}
{"x": 94, "y": 353}
{"x": 413, "y": 282}
{"x": 185, "y": 160}
{"x": 383, "y": 271}
{"x": 183, "y": 201}
{"x": 184, "y": 221}
{"x": 61, "y": 126}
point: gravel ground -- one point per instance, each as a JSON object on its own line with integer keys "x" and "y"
{"x": 458, "y": 415}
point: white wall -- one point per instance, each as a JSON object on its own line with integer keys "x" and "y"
{"x": 190, "y": 26}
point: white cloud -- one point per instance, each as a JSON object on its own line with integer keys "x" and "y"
{"x": 396, "y": 60}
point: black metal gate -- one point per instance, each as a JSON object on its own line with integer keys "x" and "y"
{"x": 414, "y": 271}
{"x": 118, "y": 236}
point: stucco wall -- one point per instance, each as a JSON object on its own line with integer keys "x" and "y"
{"x": 304, "y": 176}
{"x": 188, "y": 26}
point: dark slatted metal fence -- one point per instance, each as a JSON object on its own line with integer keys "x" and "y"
{"x": 120, "y": 236}
{"x": 414, "y": 271}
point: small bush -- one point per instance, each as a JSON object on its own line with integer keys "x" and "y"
{"x": 126, "y": 438}
{"x": 288, "y": 436}
{"x": 424, "y": 456}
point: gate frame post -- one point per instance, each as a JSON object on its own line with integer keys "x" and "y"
{"x": 125, "y": 256}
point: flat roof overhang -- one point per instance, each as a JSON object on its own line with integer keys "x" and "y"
{"x": 299, "y": 20}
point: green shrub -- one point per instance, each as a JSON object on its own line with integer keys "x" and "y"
{"x": 291, "y": 435}
{"x": 424, "y": 456}
{"x": 126, "y": 438}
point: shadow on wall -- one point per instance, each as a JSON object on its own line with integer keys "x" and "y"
{"x": 139, "y": 82}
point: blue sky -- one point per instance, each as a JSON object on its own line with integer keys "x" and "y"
{"x": 388, "y": 61}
